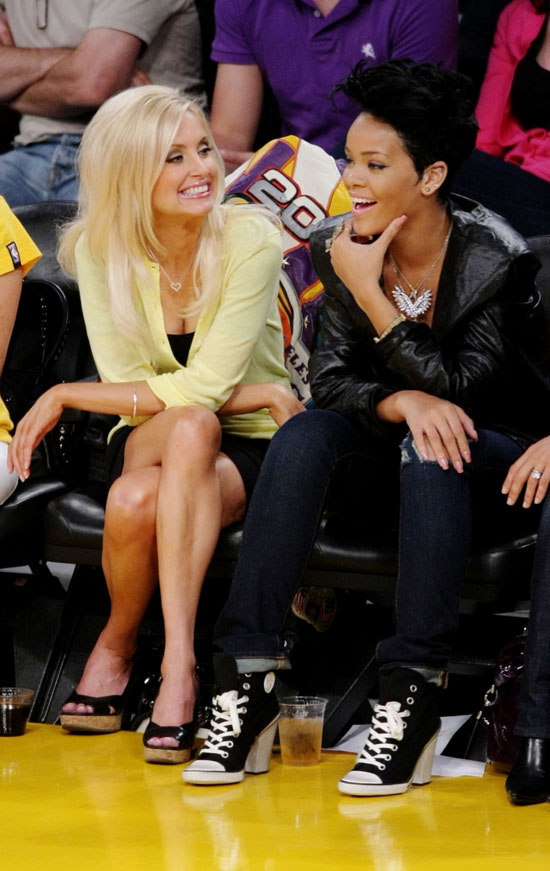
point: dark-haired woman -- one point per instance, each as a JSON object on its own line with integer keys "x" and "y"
{"x": 421, "y": 378}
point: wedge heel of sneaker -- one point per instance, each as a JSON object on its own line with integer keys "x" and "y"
{"x": 356, "y": 783}
{"x": 207, "y": 772}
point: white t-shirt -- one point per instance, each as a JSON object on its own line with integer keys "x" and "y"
{"x": 169, "y": 30}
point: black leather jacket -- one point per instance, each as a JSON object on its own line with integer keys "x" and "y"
{"x": 481, "y": 352}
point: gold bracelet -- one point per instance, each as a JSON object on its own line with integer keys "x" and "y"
{"x": 398, "y": 320}
{"x": 134, "y": 408}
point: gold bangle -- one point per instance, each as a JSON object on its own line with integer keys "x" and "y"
{"x": 397, "y": 320}
{"x": 134, "y": 407}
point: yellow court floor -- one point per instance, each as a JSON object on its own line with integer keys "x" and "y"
{"x": 89, "y": 803}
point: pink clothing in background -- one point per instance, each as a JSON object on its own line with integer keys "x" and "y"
{"x": 500, "y": 133}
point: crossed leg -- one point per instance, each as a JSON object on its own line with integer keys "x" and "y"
{"x": 162, "y": 522}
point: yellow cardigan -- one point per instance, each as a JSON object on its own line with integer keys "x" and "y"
{"x": 238, "y": 338}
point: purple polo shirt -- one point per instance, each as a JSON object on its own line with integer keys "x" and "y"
{"x": 303, "y": 55}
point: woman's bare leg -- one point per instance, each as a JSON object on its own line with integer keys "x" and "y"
{"x": 130, "y": 569}
{"x": 209, "y": 493}
{"x": 174, "y": 496}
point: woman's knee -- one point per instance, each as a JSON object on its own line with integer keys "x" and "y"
{"x": 320, "y": 433}
{"x": 131, "y": 505}
{"x": 194, "y": 434}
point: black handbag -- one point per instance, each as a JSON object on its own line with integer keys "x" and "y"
{"x": 500, "y": 710}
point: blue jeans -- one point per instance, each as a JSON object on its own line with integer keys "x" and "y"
{"x": 40, "y": 171}
{"x": 280, "y": 528}
{"x": 284, "y": 514}
{"x": 437, "y": 521}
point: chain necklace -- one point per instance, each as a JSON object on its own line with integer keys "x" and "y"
{"x": 413, "y": 304}
{"x": 176, "y": 286}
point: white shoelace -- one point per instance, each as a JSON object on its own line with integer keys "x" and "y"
{"x": 387, "y": 726}
{"x": 225, "y": 723}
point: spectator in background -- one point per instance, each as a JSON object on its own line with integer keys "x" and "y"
{"x": 510, "y": 169}
{"x": 476, "y": 32}
{"x": 59, "y": 61}
{"x": 513, "y": 111}
{"x": 301, "y": 49}
{"x": 18, "y": 254}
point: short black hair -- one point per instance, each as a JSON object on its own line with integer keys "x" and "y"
{"x": 431, "y": 109}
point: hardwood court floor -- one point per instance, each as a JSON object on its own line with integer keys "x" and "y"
{"x": 89, "y": 803}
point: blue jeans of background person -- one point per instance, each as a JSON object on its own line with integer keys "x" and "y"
{"x": 40, "y": 171}
{"x": 534, "y": 701}
{"x": 284, "y": 514}
{"x": 521, "y": 197}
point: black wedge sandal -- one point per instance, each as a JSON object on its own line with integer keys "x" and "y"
{"x": 106, "y": 716}
{"x": 107, "y": 711}
{"x": 184, "y": 735}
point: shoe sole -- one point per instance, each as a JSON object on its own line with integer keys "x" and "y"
{"x": 212, "y": 778}
{"x": 372, "y": 788}
{"x": 166, "y": 755}
{"x": 91, "y": 723}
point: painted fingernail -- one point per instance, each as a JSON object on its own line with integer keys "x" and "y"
{"x": 459, "y": 467}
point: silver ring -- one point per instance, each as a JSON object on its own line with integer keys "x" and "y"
{"x": 338, "y": 230}
{"x": 536, "y": 474}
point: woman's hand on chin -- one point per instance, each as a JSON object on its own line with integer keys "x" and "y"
{"x": 360, "y": 266}
{"x": 532, "y": 471}
{"x": 32, "y": 428}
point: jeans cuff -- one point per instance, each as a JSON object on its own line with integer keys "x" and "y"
{"x": 437, "y": 676}
{"x": 252, "y": 653}
{"x": 252, "y": 664}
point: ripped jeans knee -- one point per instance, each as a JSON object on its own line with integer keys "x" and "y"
{"x": 410, "y": 452}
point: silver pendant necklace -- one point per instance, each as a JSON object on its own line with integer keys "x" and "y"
{"x": 174, "y": 285}
{"x": 415, "y": 304}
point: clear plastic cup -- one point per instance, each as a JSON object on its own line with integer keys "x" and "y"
{"x": 15, "y": 706}
{"x": 301, "y": 729}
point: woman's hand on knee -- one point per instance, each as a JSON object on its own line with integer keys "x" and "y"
{"x": 440, "y": 428}
{"x": 278, "y": 399}
{"x": 532, "y": 471}
{"x": 283, "y": 404}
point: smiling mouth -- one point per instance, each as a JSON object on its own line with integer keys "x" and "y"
{"x": 360, "y": 204}
{"x": 199, "y": 190}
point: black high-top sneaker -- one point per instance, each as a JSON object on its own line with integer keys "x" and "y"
{"x": 242, "y": 726}
{"x": 401, "y": 743}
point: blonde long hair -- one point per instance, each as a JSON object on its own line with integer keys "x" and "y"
{"x": 121, "y": 156}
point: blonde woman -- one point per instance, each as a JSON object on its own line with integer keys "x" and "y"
{"x": 179, "y": 297}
